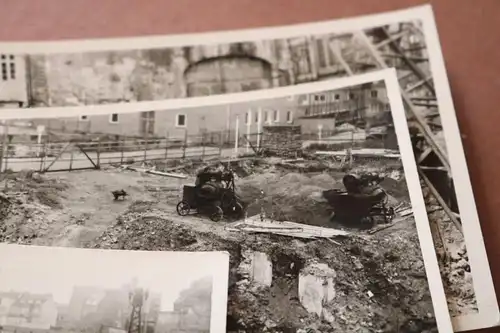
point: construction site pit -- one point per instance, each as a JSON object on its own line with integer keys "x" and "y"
{"x": 358, "y": 281}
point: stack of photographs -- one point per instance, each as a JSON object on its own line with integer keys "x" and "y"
{"x": 293, "y": 179}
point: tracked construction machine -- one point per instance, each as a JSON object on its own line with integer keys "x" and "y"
{"x": 214, "y": 194}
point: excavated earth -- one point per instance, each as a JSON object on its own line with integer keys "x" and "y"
{"x": 362, "y": 282}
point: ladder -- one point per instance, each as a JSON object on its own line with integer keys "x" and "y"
{"x": 378, "y": 53}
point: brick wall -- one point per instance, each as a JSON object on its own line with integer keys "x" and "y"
{"x": 282, "y": 140}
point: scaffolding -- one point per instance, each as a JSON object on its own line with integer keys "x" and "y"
{"x": 402, "y": 46}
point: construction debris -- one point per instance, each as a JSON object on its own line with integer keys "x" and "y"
{"x": 154, "y": 172}
{"x": 363, "y": 153}
{"x": 275, "y": 273}
{"x": 285, "y": 228}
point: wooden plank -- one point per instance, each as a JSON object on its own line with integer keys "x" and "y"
{"x": 320, "y": 231}
{"x": 441, "y": 201}
{"x": 334, "y": 47}
{"x": 286, "y": 234}
{"x": 166, "y": 174}
{"x": 359, "y": 153}
{"x": 424, "y": 155}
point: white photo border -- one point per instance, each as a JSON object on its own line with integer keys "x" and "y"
{"x": 400, "y": 123}
{"x": 488, "y": 310}
{"x": 218, "y": 261}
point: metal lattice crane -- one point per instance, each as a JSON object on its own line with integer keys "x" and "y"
{"x": 137, "y": 298}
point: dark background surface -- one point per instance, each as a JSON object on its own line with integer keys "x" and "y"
{"x": 469, "y": 32}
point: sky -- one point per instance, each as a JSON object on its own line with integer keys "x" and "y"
{"x": 56, "y": 270}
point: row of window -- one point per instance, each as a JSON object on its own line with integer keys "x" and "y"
{"x": 270, "y": 116}
{"x": 8, "y": 67}
{"x": 181, "y": 119}
{"x": 113, "y": 118}
{"x": 336, "y": 97}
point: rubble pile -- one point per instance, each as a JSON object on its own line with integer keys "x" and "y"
{"x": 453, "y": 261}
{"x": 27, "y": 199}
{"x": 358, "y": 282}
{"x": 275, "y": 281}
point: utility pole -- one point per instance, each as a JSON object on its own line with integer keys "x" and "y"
{"x": 228, "y": 123}
{"x": 236, "y": 139}
{"x": 249, "y": 124}
{"x": 259, "y": 127}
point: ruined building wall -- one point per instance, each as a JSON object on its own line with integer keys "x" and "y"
{"x": 139, "y": 75}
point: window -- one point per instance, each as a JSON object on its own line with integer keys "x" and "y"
{"x": 316, "y": 98}
{"x": 8, "y": 68}
{"x": 84, "y": 118}
{"x": 266, "y": 117}
{"x": 256, "y": 117}
{"x": 113, "y": 118}
{"x": 351, "y": 96}
{"x": 4, "y": 71}
{"x": 180, "y": 120}
{"x": 322, "y": 98}
{"x": 374, "y": 93}
{"x": 289, "y": 116}
{"x": 275, "y": 115}
{"x": 12, "y": 70}
{"x": 337, "y": 97}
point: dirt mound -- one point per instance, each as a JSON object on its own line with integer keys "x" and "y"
{"x": 291, "y": 197}
{"x": 379, "y": 285}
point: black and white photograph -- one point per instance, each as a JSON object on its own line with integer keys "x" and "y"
{"x": 85, "y": 290}
{"x": 307, "y": 188}
{"x": 73, "y": 73}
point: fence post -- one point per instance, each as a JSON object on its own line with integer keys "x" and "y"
{"x": 71, "y": 160}
{"x": 259, "y": 127}
{"x": 98, "y": 153}
{"x": 145, "y": 149}
{"x": 221, "y": 143}
{"x": 184, "y": 146}
{"x": 166, "y": 146}
{"x": 237, "y": 137}
{"x": 6, "y": 157}
{"x": 43, "y": 154}
{"x": 203, "y": 137}
{"x": 3, "y": 147}
{"x": 122, "y": 147}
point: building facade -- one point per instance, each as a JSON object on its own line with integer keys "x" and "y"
{"x": 29, "y": 311}
{"x": 140, "y": 75}
{"x": 313, "y": 112}
{"x": 13, "y": 81}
